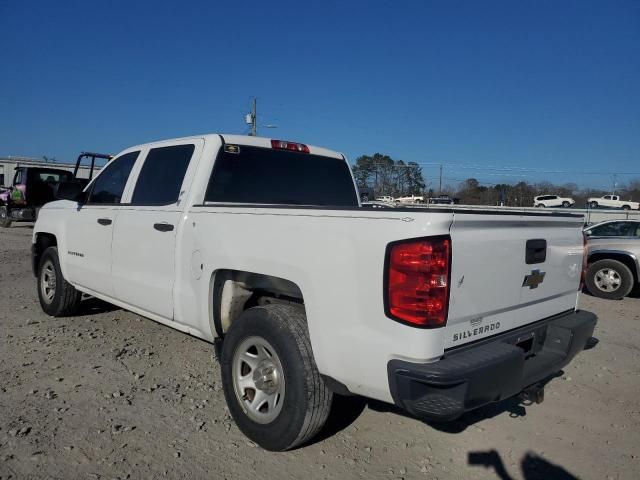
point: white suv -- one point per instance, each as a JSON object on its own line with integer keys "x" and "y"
{"x": 552, "y": 201}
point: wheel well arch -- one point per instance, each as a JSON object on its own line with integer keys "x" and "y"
{"x": 43, "y": 240}
{"x": 231, "y": 292}
{"x": 623, "y": 257}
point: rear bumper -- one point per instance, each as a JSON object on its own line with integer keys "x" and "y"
{"x": 488, "y": 371}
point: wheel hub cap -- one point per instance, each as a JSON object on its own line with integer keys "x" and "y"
{"x": 266, "y": 377}
{"x": 48, "y": 282}
{"x": 258, "y": 379}
{"x": 607, "y": 280}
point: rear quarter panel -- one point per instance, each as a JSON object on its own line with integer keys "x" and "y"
{"x": 336, "y": 258}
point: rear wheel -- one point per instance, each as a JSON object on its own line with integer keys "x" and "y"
{"x": 58, "y": 297}
{"x": 626, "y": 207}
{"x": 609, "y": 279}
{"x": 5, "y": 221}
{"x": 271, "y": 383}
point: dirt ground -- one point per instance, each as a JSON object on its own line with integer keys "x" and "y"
{"x": 109, "y": 394}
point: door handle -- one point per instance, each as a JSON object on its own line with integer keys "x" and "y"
{"x": 163, "y": 227}
{"x": 105, "y": 221}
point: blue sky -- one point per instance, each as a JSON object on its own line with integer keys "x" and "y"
{"x": 546, "y": 89}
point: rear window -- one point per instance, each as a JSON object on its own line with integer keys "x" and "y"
{"x": 243, "y": 174}
{"x": 162, "y": 175}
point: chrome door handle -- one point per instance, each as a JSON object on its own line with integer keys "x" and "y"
{"x": 105, "y": 221}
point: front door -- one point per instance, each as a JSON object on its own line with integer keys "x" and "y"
{"x": 89, "y": 231}
{"x": 145, "y": 233}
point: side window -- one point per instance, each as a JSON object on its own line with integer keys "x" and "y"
{"x": 162, "y": 174}
{"x": 613, "y": 229}
{"x": 109, "y": 185}
{"x": 607, "y": 197}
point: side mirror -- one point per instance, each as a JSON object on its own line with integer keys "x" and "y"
{"x": 69, "y": 191}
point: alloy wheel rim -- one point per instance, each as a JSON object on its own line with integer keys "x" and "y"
{"x": 48, "y": 281}
{"x": 607, "y": 280}
{"x": 258, "y": 379}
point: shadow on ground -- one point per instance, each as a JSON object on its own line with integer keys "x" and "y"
{"x": 533, "y": 466}
{"x": 91, "y": 306}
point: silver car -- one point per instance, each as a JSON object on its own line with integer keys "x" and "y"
{"x": 613, "y": 250}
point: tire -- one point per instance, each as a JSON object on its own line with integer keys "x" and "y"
{"x": 297, "y": 401}
{"x": 626, "y": 207}
{"x": 609, "y": 279}
{"x": 566, "y": 204}
{"x": 5, "y": 222}
{"x": 593, "y": 204}
{"x": 58, "y": 297}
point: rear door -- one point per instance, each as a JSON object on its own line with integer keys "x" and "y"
{"x": 143, "y": 265}
{"x": 509, "y": 271}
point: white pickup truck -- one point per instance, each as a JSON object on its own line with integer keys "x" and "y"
{"x": 262, "y": 247}
{"x": 612, "y": 201}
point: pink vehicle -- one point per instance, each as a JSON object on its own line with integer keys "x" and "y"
{"x": 34, "y": 186}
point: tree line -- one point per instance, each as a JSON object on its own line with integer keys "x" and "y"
{"x": 472, "y": 192}
{"x": 386, "y": 176}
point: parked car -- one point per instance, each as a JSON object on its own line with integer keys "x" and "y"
{"x": 614, "y": 228}
{"x": 543, "y": 201}
{"x": 385, "y": 198}
{"x": 32, "y": 187}
{"x": 612, "y": 201}
{"x": 613, "y": 250}
{"x": 366, "y": 194}
{"x": 410, "y": 199}
{"x": 443, "y": 200}
{"x": 262, "y": 247}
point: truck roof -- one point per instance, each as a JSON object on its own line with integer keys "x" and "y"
{"x": 245, "y": 140}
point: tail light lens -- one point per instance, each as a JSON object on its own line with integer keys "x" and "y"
{"x": 417, "y": 281}
{"x": 294, "y": 147}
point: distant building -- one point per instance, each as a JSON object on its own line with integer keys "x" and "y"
{"x": 9, "y": 164}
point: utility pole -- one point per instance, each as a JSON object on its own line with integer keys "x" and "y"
{"x": 252, "y": 118}
{"x": 440, "y": 187}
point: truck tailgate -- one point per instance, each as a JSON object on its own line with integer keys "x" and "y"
{"x": 495, "y": 287}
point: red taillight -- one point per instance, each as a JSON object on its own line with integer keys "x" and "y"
{"x": 417, "y": 281}
{"x": 585, "y": 264}
{"x": 294, "y": 147}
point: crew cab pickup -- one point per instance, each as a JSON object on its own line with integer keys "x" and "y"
{"x": 612, "y": 201}
{"x": 263, "y": 248}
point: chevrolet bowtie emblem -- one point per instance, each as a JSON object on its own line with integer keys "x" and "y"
{"x": 535, "y": 278}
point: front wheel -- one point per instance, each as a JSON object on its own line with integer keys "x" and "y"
{"x": 271, "y": 383}
{"x": 609, "y": 279}
{"x": 5, "y": 221}
{"x": 58, "y": 297}
{"x": 566, "y": 204}
{"x": 593, "y": 204}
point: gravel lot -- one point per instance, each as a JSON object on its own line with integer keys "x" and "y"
{"x": 109, "y": 394}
